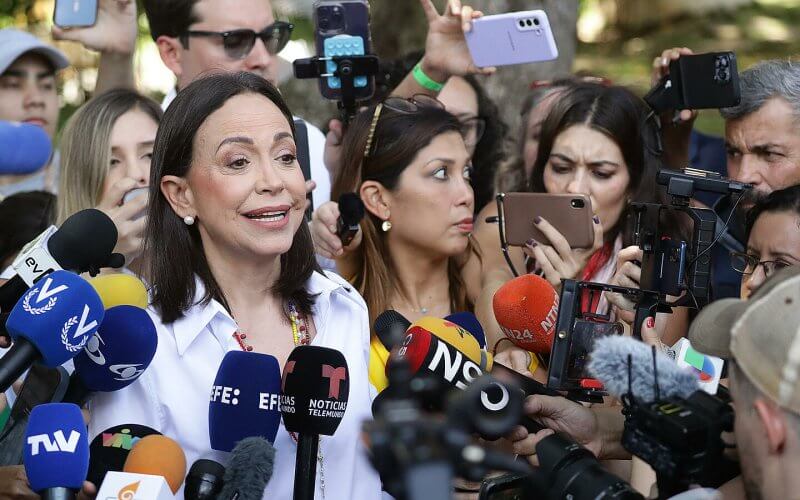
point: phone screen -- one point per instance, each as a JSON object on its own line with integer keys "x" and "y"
{"x": 583, "y": 336}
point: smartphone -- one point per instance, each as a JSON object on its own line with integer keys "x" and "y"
{"x": 671, "y": 266}
{"x": 512, "y": 38}
{"x": 75, "y": 13}
{"x": 570, "y": 214}
{"x": 584, "y": 334}
{"x": 135, "y": 193}
{"x": 705, "y": 81}
{"x": 304, "y": 159}
{"x": 341, "y": 28}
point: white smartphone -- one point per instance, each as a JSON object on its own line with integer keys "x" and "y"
{"x": 135, "y": 193}
{"x": 511, "y": 38}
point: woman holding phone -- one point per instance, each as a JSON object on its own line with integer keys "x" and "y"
{"x": 596, "y": 141}
{"x": 105, "y": 163}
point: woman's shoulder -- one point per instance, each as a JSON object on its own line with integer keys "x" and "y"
{"x": 328, "y": 282}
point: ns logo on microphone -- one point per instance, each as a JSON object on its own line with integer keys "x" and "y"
{"x": 59, "y": 442}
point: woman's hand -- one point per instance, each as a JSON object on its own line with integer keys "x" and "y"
{"x": 323, "y": 232}
{"x": 446, "y": 52}
{"x": 675, "y": 127}
{"x": 127, "y": 217}
{"x": 114, "y": 32}
{"x": 629, "y": 273}
{"x": 558, "y": 260}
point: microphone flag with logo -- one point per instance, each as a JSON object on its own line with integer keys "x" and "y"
{"x": 52, "y": 323}
{"x": 316, "y": 387}
{"x": 109, "y": 449}
{"x": 119, "y": 352}
{"x": 56, "y": 448}
{"x": 245, "y": 399}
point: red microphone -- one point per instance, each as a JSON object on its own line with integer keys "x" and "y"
{"x": 527, "y": 309}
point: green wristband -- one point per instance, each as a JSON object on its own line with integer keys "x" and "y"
{"x": 425, "y": 81}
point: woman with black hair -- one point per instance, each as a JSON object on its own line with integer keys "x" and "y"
{"x": 232, "y": 267}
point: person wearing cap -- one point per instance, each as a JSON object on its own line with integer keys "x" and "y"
{"x": 28, "y": 68}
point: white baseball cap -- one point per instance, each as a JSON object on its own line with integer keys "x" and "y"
{"x": 14, "y": 43}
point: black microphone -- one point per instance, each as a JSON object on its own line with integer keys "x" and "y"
{"x": 351, "y": 211}
{"x": 204, "y": 480}
{"x": 249, "y": 470}
{"x": 316, "y": 388}
{"x": 83, "y": 243}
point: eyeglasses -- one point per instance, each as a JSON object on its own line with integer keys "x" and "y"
{"x": 238, "y": 43}
{"x": 746, "y": 264}
{"x": 400, "y": 105}
{"x": 472, "y": 129}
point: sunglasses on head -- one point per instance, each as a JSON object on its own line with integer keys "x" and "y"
{"x": 238, "y": 43}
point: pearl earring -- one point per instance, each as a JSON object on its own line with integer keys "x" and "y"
{"x": 386, "y": 226}
{"x": 188, "y": 220}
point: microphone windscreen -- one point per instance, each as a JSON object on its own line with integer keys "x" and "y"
{"x": 249, "y": 470}
{"x": 84, "y": 241}
{"x": 456, "y": 336}
{"x": 526, "y": 308}
{"x": 469, "y": 322}
{"x": 608, "y": 363}
{"x": 58, "y": 315}
{"x": 24, "y": 148}
{"x": 120, "y": 290}
{"x": 56, "y": 447}
{"x": 388, "y": 325}
{"x": 204, "y": 480}
{"x": 244, "y": 399}
{"x": 119, "y": 352}
{"x": 159, "y": 456}
{"x": 351, "y": 208}
{"x": 316, "y": 388}
{"x": 109, "y": 449}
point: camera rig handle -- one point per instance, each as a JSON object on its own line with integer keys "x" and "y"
{"x": 347, "y": 69}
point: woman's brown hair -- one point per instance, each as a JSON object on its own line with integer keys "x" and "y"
{"x": 397, "y": 139}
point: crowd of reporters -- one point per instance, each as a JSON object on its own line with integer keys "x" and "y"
{"x": 209, "y": 202}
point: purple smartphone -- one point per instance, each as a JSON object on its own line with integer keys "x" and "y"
{"x": 512, "y": 38}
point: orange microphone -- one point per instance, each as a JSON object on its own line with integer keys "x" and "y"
{"x": 527, "y": 309}
{"x": 158, "y": 455}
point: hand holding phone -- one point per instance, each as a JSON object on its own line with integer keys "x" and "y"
{"x": 75, "y": 13}
{"x": 512, "y": 38}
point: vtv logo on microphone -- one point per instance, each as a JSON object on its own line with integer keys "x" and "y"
{"x": 80, "y": 331}
{"x": 58, "y": 443}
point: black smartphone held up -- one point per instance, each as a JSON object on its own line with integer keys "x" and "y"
{"x": 303, "y": 158}
{"x": 75, "y": 13}
{"x": 705, "y": 81}
{"x": 341, "y": 28}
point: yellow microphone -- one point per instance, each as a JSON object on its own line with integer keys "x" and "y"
{"x": 119, "y": 290}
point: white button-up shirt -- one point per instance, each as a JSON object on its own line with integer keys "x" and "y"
{"x": 172, "y": 395}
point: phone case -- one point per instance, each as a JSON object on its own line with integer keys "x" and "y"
{"x": 512, "y": 38}
{"x": 341, "y": 27}
{"x": 706, "y": 81}
{"x": 75, "y": 13}
{"x": 570, "y": 214}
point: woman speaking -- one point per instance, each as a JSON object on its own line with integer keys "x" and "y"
{"x": 232, "y": 266}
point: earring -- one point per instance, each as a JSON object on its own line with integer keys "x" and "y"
{"x": 188, "y": 220}
{"x": 386, "y": 226}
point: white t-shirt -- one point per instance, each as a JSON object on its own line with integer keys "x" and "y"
{"x": 316, "y": 150}
{"x": 172, "y": 395}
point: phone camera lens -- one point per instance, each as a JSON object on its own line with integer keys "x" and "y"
{"x": 521, "y": 23}
{"x": 324, "y": 23}
{"x": 536, "y": 21}
{"x": 577, "y": 203}
{"x": 528, "y": 22}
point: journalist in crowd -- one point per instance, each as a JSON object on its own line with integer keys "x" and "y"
{"x": 229, "y": 252}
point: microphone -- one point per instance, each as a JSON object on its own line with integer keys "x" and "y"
{"x": 351, "y": 211}
{"x": 316, "y": 388}
{"x": 25, "y": 148}
{"x": 609, "y": 364}
{"x": 51, "y": 324}
{"x": 204, "y": 480}
{"x": 109, "y": 449}
{"x": 157, "y": 455}
{"x": 387, "y": 324}
{"x": 115, "y": 356}
{"x": 249, "y": 471}
{"x": 244, "y": 399}
{"x": 56, "y": 451}
{"x": 527, "y": 310}
{"x": 120, "y": 290}
{"x": 83, "y": 243}
{"x": 470, "y": 323}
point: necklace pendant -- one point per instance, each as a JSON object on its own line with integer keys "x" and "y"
{"x": 424, "y": 310}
